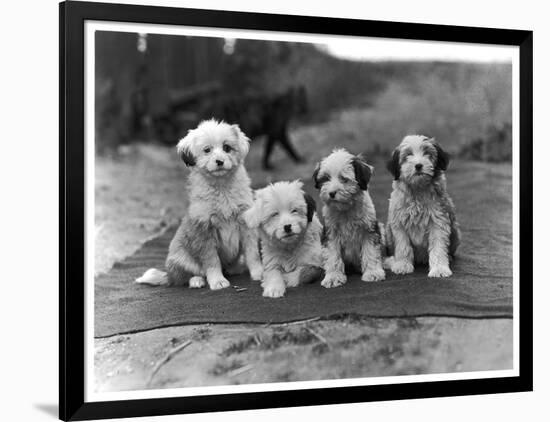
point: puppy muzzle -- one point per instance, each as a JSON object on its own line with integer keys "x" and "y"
{"x": 288, "y": 233}
{"x": 336, "y": 200}
{"x": 219, "y": 166}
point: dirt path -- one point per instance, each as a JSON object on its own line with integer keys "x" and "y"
{"x": 348, "y": 348}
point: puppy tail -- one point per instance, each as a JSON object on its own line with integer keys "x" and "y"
{"x": 153, "y": 277}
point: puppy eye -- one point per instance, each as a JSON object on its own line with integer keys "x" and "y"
{"x": 207, "y": 150}
{"x": 227, "y": 148}
{"x": 275, "y": 214}
{"x": 345, "y": 179}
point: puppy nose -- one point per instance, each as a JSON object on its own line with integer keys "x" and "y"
{"x": 418, "y": 167}
{"x": 219, "y": 162}
{"x": 288, "y": 228}
{"x": 332, "y": 194}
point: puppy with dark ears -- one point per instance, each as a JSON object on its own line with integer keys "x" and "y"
{"x": 422, "y": 226}
{"x": 213, "y": 239}
{"x": 354, "y": 235}
{"x": 290, "y": 236}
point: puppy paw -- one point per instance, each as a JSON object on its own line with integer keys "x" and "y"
{"x": 256, "y": 272}
{"x": 292, "y": 279}
{"x": 219, "y": 283}
{"x": 274, "y": 290}
{"x": 388, "y": 262}
{"x": 333, "y": 280}
{"x": 377, "y": 274}
{"x": 440, "y": 271}
{"x": 197, "y": 282}
{"x": 402, "y": 267}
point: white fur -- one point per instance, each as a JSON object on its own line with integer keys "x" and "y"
{"x": 422, "y": 226}
{"x": 289, "y": 256}
{"x": 353, "y": 232}
{"x": 213, "y": 237}
{"x": 153, "y": 277}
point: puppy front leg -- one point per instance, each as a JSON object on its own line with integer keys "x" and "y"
{"x": 371, "y": 260}
{"x": 334, "y": 266}
{"x": 403, "y": 260}
{"x": 273, "y": 283}
{"x": 252, "y": 253}
{"x": 438, "y": 246}
{"x": 213, "y": 271}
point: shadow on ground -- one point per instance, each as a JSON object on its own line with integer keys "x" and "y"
{"x": 49, "y": 409}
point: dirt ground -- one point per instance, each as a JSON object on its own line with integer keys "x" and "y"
{"x": 347, "y": 348}
{"x": 142, "y": 191}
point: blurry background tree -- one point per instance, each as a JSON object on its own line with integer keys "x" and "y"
{"x": 152, "y": 88}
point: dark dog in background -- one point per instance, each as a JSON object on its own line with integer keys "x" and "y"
{"x": 258, "y": 114}
{"x": 277, "y": 116}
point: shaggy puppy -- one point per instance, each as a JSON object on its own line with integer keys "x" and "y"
{"x": 213, "y": 236}
{"x": 354, "y": 236}
{"x": 290, "y": 236}
{"x": 421, "y": 225}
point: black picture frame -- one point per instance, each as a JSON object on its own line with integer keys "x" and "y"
{"x": 72, "y": 16}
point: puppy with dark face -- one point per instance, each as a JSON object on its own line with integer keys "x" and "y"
{"x": 422, "y": 226}
{"x": 290, "y": 236}
{"x": 354, "y": 236}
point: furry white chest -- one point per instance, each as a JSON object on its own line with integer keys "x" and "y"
{"x": 228, "y": 239}
{"x": 417, "y": 216}
{"x": 351, "y": 235}
{"x": 286, "y": 259}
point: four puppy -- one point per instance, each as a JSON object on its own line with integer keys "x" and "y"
{"x": 290, "y": 236}
{"x": 224, "y": 224}
{"x": 354, "y": 236}
{"x": 422, "y": 226}
{"x": 213, "y": 237}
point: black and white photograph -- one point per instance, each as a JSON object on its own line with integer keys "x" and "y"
{"x": 272, "y": 209}
{"x": 275, "y": 211}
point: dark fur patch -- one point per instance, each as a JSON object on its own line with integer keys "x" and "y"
{"x": 311, "y": 206}
{"x": 324, "y": 235}
{"x": 393, "y": 164}
{"x": 315, "y": 176}
{"x": 187, "y": 158}
{"x": 376, "y": 228}
{"x": 442, "y": 158}
{"x": 363, "y": 172}
{"x": 376, "y": 234}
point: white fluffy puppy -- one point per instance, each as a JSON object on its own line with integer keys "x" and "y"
{"x": 213, "y": 237}
{"x": 354, "y": 236}
{"x": 421, "y": 225}
{"x": 290, "y": 236}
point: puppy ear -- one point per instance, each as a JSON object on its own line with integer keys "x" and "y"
{"x": 363, "y": 171}
{"x": 184, "y": 149}
{"x": 442, "y": 157}
{"x": 393, "y": 164}
{"x": 315, "y": 176}
{"x": 311, "y": 206}
{"x": 244, "y": 141}
{"x": 253, "y": 216}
